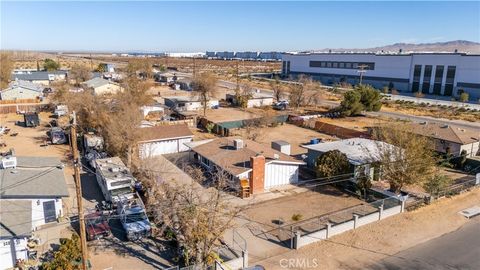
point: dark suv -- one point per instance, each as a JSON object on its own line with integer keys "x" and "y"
{"x": 96, "y": 226}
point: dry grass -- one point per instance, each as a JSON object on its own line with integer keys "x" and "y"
{"x": 437, "y": 112}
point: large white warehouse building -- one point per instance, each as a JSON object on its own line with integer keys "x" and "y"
{"x": 447, "y": 74}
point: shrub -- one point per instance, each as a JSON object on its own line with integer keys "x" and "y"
{"x": 297, "y": 217}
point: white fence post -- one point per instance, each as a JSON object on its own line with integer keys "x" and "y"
{"x": 329, "y": 227}
{"x": 296, "y": 243}
{"x": 380, "y": 212}
{"x": 245, "y": 258}
{"x": 402, "y": 208}
{"x": 355, "y": 221}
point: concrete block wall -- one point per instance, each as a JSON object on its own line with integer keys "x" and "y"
{"x": 352, "y": 224}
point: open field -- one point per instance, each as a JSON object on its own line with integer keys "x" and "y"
{"x": 292, "y": 134}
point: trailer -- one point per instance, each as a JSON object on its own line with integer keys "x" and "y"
{"x": 114, "y": 179}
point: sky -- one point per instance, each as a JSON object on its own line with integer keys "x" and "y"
{"x": 235, "y": 26}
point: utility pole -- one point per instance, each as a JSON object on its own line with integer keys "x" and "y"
{"x": 362, "y": 70}
{"x": 194, "y": 66}
{"x": 78, "y": 189}
{"x": 238, "y": 78}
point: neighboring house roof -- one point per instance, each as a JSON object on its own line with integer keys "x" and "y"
{"x": 236, "y": 161}
{"x": 25, "y": 85}
{"x": 97, "y": 82}
{"x": 358, "y": 150}
{"x": 160, "y": 133}
{"x": 259, "y": 95}
{"x": 34, "y": 177}
{"x": 449, "y": 133}
{"x": 31, "y": 76}
{"x": 16, "y": 218}
{"x": 178, "y": 99}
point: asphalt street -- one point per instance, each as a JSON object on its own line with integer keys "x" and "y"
{"x": 456, "y": 250}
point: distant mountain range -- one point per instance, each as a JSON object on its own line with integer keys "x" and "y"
{"x": 448, "y": 46}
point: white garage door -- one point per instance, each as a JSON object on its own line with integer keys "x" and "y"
{"x": 164, "y": 147}
{"x": 280, "y": 174}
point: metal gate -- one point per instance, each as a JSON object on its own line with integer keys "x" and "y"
{"x": 49, "y": 211}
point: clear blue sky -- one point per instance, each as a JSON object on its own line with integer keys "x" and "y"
{"x": 259, "y": 26}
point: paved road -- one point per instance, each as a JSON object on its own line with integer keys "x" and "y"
{"x": 456, "y": 250}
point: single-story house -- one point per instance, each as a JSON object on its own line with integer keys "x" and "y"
{"x": 165, "y": 77}
{"x": 257, "y": 99}
{"x": 360, "y": 152}
{"x": 19, "y": 89}
{"x": 165, "y": 139}
{"x": 262, "y": 166}
{"x": 40, "y": 77}
{"x": 188, "y": 103}
{"x": 450, "y": 138}
{"x": 101, "y": 86}
{"x": 155, "y": 108}
{"x": 15, "y": 229}
{"x": 32, "y": 189}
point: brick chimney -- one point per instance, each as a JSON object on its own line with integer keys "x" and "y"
{"x": 257, "y": 176}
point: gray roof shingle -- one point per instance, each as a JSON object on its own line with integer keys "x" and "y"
{"x": 34, "y": 177}
{"x": 15, "y": 218}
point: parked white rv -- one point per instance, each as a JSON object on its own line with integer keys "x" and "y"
{"x": 114, "y": 179}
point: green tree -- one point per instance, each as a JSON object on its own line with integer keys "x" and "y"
{"x": 370, "y": 98}
{"x": 437, "y": 183}
{"x": 362, "y": 98}
{"x": 332, "y": 163}
{"x": 363, "y": 182}
{"x": 464, "y": 97}
{"x": 50, "y": 65}
{"x": 350, "y": 104}
{"x": 67, "y": 257}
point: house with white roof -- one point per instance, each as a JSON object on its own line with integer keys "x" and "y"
{"x": 360, "y": 152}
{"x": 18, "y": 90}
{"x": 256, "y": 99}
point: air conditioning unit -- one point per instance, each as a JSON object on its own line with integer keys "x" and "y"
{"x": 238, "y": 144}
{"x": 9, "y": 162}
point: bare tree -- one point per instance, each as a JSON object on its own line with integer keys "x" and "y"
{"x": 135, "y": 91}
{"x": 278, "y": 89}
{"x": 198, "y": 217}
{"x": 80, "y": 73}
{"x": 6, "y": 67}
{"x": 122, "y": 130}
{"x": 410, "y": 162}
{"x": 204, "y": 87}
{"x": 298, "y": 91}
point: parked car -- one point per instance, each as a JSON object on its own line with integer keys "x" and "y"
{"x": 281, "y": 105}
{"x": 96, "y": 225}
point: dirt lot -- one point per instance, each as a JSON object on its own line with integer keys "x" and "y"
{"x": 294, "y": 135}
{"x": 224, "y": 114}
{"x": 365, "y": 246}
{"x": 359, "y": 123}
{"x": 308, "y": 204}
{"x": 30, "y": 141}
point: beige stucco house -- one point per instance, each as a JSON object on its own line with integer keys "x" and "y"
{"x": 102, "y": 87}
